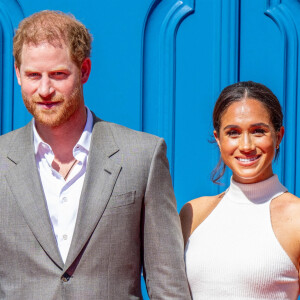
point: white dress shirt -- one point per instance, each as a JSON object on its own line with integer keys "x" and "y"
{"x": 62, "y": 196}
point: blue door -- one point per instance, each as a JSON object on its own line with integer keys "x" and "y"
{"x": 159, "y": 65}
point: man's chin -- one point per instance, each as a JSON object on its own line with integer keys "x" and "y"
{"x": 53, "y": 120}
{"x": 50, "y": 119}
{"x": 51, "y": 123}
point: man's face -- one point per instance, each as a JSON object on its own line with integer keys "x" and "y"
{"x": 51, "y": 83}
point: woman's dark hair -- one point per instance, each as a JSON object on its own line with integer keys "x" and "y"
{"x": 238, "y": 92}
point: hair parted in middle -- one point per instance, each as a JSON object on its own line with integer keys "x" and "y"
{"x": 237, "y": 92}
{"x": 54, "y": 27}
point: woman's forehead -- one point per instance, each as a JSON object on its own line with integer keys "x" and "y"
{"x": 245, "y": 110}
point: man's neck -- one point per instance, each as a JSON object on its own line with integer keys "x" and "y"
{"x": 63, "y": 138}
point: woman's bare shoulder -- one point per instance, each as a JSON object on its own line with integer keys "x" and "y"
{"x": 194, "y": 212}
{"x": 287, "y": 205}
{"x": 205, "y": 201}
{"x": 290, "y": 197}
{"x": 285, "y": 211}
{"x": 287, "y": 202}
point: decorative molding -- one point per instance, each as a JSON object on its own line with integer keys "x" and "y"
{"x": 6, "y": 112}
{"x": 159, "y": 70}
{"x": 270, "y": 3}
{"x": 226, "y": 51}
{"x": 10, "y": 14}
{"x": 283, "y": 18}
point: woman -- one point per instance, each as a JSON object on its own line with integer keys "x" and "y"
{"x": 245, "y": 242}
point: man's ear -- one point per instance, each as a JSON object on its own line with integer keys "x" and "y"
{"x": 18, "y": 74}
{"x": 85, "y": 70}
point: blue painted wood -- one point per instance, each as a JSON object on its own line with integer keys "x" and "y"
{"x": 159, "y": 70}
{"x": 195, "y": 157}
{"x": 10, "y": 15}
{"x": 283, "y": 18}
{"x": 159, "y": 65}
{"x": 113, "y": 91}
{"x": 1, "y": 76}
{"x": 226, "y": 53}
{"x": 269, "y": 54}
{"x": 270, "y": 3}
{"x": 294, "y": 12}
{"x": 158, "y": 99}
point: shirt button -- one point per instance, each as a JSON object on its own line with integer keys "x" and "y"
{"x": 65, "y": 236}
{"x": 64, "y": 199}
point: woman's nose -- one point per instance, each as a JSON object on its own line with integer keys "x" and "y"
{"x": 246, "y": 143}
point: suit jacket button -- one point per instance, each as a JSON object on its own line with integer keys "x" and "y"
{"x": 65, "y": 278}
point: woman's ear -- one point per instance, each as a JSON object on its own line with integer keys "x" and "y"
{"x": 279, "y": 136}
{"x": 217, "y": 138}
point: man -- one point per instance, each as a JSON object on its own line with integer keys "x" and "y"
{"x": 84, "y": 204}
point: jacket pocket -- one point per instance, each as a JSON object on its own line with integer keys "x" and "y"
{"x": 121, "y": 200}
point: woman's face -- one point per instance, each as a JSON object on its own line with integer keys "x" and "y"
{"x": 247, "y": 140}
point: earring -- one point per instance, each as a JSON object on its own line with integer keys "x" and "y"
{"x": 277, "y": 147}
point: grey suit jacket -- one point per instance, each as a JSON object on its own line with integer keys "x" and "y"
{"x": 127, "y": 219}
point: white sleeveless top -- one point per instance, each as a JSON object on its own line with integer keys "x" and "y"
{"x": 234, "y": 253}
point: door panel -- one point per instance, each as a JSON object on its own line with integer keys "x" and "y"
{"x": 159, "y": 65}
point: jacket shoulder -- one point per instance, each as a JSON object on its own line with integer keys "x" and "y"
{"x": 120, "y": 130}
{"x": 135, "y": 144}
{"x": 124, "y": 136}
{"x": 7, "y": 138}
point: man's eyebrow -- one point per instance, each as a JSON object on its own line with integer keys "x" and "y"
{"x": 56, "y": 68}
{"x": 30, "y": 70}
{"x": 261, "y": 124}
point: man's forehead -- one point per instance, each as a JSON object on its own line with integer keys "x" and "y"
{"x": 45, "y": 43}
{"x": 45, "y": 55}
{"x": 46, "y": 47}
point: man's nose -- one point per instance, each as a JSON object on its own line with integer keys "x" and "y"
{"x": 45, "y": 88}
{"x": 246, "y": 143}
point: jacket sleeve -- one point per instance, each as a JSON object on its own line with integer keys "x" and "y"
{"x": 163, "y": 253}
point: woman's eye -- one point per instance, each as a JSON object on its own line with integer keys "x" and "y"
{"x": 259, "y": 131}
{"x": 232, "y": 133}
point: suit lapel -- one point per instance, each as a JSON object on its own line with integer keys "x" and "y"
{"x": 100, "y": 179}
{"x": 24, "y": 182}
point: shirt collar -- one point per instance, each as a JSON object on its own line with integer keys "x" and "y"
{"x": 83, "y": 143}
{"x": 85, "y": 138}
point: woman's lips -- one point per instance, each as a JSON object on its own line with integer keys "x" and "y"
{"x": 248, "y": 160}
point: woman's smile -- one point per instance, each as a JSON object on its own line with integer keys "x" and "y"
{"x": 248, "y": 160}
{"x": 247, "y": 140}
